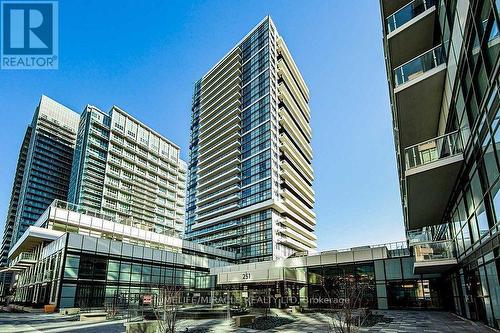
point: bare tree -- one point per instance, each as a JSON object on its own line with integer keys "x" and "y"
{"x": 348, "y": 305}
{"x": 166, "y": 307}
{"x": 112, "y": 308}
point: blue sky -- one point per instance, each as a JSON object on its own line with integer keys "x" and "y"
{"x": 144, "y": 56}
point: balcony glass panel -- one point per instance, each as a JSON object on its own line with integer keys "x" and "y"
{"x": 407, "y": 13}
{"x": 418, "y": 236}
{"x": 419, "y": 65}
{"x": 433, "y": 150}
{"x": 434, "y": 251}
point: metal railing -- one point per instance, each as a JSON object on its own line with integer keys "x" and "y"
{"x": 434, "y": 251}
{"x": 395, "y": 249}
{"x": 419, "y": 65}
{"x": 433, "y": 150}
{"x": 407, "y": 13}
{"x": 23, "y": 256}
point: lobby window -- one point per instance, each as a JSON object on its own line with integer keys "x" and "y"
{"x": 92, "y": 267}
{"x": 113, "y": 270}
{"x": 71, "y": 266}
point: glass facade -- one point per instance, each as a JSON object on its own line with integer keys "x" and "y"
{"x": 470, "y": 31}
{"x": 193, "y": 160}
{"x": 42, "y": 173}
{"x": 256, "y": 139}
{"x": 5, "y": 278}
{"x": 331, "y": 282}
{"x": 250, "y": 236}
{"x": 48, "y": 162}
{"x": 466, "y": 36}
{"x": 94, "y": 281}
{"x": 377, "y": 284}
{"x": 89, "y": 162}
{"x": 235, "y": 151}
{"x": 88, "y": 272}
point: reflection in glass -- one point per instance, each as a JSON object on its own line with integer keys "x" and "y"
{"x": 419, "y": 65}
{"x": 407, "y": 13}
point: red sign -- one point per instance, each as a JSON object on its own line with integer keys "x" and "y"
{"x": 146, "y": 299}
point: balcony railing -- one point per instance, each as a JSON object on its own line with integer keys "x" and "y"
{"x": 418, "y": 236}
{"x": 24, "y": 258}
{"x": 433, "y": 150}
{"x": 419, "y": 65}
{"x": 407, "y": 13}
{"x": 434, "y": 251}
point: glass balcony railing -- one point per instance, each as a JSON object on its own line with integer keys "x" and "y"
{"x": 434, "y": 251}
{"x": 419, "y": 65}
{"x": 418, "y": 236}
{"x": 407, "y": 13}
{"x": 433, "y": 150}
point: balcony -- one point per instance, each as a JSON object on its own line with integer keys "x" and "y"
{"x": 221, "y": 210}
{"x": 292, "y": 224}
{"x": 418, "y": 92}
{"x": 418, "y": 236}
{"x": 230, "y": 151}
{"x": 434, "y": 257}
{"x": 306, "y": 214}
{"x": 290, "y": 151}
{"x": 292, "y": 243}
{"x": 390, "y": 6}
{"x": 291, "y": 176}
{"x": 222, "y": 192}
{"x": 285, "y": 96}
{"x": 418, "y": 66}
{"x": 208, "y": 182}
{"x": 218, "y": 202}
{"x": 291, "y": 233}
{"x": 223, "y": 184}
{"x": 23, "y": 260}
{"x": 431, "y": 171}
{"x": 213, "y": 74}
{"x": 410, "y": 30}
{"x": 285, "y": 53}
{"x": 286, "y": 121}
{"x": 407, "y": 13}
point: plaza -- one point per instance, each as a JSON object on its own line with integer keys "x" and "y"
{"x": 402, "y": 322}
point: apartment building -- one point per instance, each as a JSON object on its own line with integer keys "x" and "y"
{"x": 250, "y": 173}
{"x": 12, "y": 210}
{"x": 42, "y": 171}
{"x": 129, "y": 172}
{"x": 442, "y": 68}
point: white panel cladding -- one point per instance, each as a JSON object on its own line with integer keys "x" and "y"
{"x": 368, "y": 253}
{"x": 363, "y": 255}
{"x": 313, "y": 260}
{"x": 329, "y": 258}
{"x": 117, "y": 248}
{"x": 61, "y": 216}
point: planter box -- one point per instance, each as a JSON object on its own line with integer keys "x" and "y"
{"x": 141, "y": 327}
